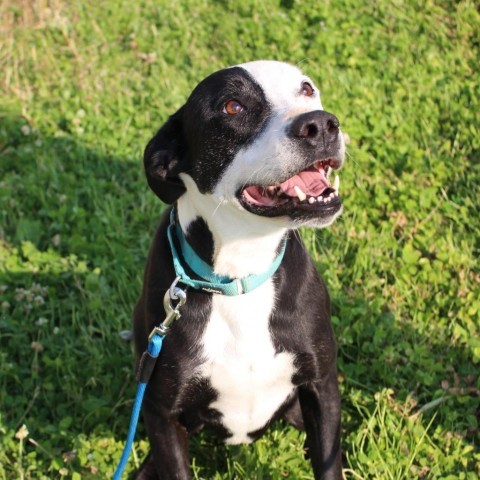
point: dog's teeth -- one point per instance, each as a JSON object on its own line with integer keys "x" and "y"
{"x": 336, "y": 183}
{"x": 301, "y": 195}
{"x": 320, "y": 199}
{"x": 311, "y": 200}
{"x": 271, "y": 191}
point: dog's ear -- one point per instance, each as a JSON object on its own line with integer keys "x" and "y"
{"x": 165, "y": 157}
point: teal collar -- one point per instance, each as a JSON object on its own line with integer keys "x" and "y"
{"x": 209, "y": 280}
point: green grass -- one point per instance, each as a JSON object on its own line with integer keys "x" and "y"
{"x": 84, "y": 85}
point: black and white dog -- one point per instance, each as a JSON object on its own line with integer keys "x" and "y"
{"x": 246, "y": 161}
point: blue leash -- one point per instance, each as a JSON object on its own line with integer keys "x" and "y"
{"x": 210, "y": 282}
{"x": 147, "y": 364}
{"x": 153, "y": 349}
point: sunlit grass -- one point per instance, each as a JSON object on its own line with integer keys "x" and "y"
{"x": 84, "y": 85}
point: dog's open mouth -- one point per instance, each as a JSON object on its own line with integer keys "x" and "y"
{"x": 308, "y": 189}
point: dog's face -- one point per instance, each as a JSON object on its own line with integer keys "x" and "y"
{"x": 254, "y": 136}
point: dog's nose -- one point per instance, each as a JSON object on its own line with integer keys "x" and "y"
{"x": 315, "y": 128}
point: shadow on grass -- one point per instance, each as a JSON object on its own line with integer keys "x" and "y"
{"x": 76, "y": 227}
{"x": 69, "y": 274}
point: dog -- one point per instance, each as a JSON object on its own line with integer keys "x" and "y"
{"x": 245, "y": 162}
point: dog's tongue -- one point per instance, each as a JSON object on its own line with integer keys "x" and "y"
{"x": 312, "y": 182}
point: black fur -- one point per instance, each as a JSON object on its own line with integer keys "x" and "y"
{"x": 177, "y": 402}
{"x": 199, "y": 139}
{"x": 201, "y": 130}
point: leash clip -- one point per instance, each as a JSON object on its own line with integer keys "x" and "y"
{"x": 173, "y": 294}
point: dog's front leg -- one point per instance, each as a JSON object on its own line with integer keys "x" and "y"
{"x": 320, "y": 404}
{"x": 169, "y": 444}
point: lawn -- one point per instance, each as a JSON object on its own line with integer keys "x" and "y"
{"x": 83, "y": 87}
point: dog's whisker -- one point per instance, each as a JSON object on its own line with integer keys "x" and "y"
{"x": 297, "y": 235}
{"x": 222, "y": 201}
{"x": 255, "y": 173}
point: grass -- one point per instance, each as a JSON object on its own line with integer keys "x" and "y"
{"x": 83, "y": 86}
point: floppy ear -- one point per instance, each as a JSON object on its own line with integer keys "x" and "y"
{"x": 165, "y": 157}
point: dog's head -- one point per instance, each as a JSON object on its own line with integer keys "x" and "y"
{"x": 255, "y": 136}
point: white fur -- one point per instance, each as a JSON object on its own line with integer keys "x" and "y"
{"x": 251, "y": 379}
{"x": 281, "y": 83}
{"x": 272, "y": 155}
{"x": 245, "y": 243}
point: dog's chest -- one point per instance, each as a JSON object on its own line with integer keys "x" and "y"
{"x": 251, "y": 379}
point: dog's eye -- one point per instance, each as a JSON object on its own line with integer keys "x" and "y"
{"x": 232, "y": 107}
{"x": 306, "y": 89}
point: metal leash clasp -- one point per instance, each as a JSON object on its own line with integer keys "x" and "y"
{"x": 173, "y": 294}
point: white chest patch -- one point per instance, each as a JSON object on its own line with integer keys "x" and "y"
{"x": 251, "y": 379}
